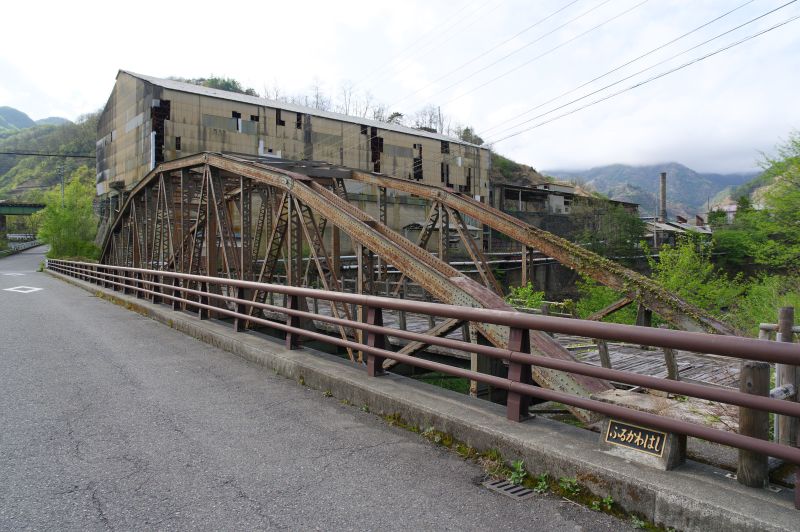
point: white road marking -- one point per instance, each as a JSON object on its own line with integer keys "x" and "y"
{"x": 23, "y": 289}
{"x": 14, "y": 274}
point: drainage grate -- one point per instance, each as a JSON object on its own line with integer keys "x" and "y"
{"x": 507, "y": 488}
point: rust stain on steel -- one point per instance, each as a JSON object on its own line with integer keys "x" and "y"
{"x": 440, "y": 279}
{"x": 636, "y": 286}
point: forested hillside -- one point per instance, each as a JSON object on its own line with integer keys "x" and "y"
{"x": 12, "y": 120}
{"x": 25, "y": 177}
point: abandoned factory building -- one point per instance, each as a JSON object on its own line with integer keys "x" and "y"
{"x": 149, "y": 120}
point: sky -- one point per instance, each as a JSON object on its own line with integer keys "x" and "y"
{"x": 502, "y": 67}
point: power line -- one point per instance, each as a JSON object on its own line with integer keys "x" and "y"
{"x": 419, "y": 45}
{"x": 529, "y": 61}
{"x": 333, "y": 143}
{"x": 596, "y": 91}
{"x": 490, "y": 50}
{"x": 652, "y": 78}
{"x": 39, "y": 154}
{"x": 676, "y": 39}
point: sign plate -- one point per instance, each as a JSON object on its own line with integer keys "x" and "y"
{"x": 634, "y": 437}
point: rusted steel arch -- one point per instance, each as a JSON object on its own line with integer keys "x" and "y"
{"x": 607, "y": 272}
{"x": 438, "y": 278}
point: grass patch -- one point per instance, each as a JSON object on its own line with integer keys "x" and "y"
{"x": 448, "y": 382}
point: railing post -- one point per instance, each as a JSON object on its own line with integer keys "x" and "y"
{"x": 157, "y": 299}
{"x": 788, "y": 374}
{"x": 240, "y": 324}
{"x": 517, "y": 405}
{"x": 202, "y": 312}
{"x": 176, "y": 283}
{"x": 378, "y": 340}
{"x": 752, "y": 470}
{"x": 137, "y": 285}
{"x": 292, "y": 338}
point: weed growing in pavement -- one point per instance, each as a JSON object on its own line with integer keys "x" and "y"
{"x": 542, "y": 484}
{"x": 569, "y": 486}
{"x": 518, "y": 472}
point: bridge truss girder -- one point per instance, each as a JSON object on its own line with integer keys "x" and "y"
{"x": 182, "y": 217}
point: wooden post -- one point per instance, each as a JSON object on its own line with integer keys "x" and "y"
{"x": 670, "y": 360}
{"x": 602, "y": 349}
{"x": 753, "y": 379}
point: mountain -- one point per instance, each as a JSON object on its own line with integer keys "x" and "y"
{"x": 688, "y": 191}
{"x": 13, "y": 120}
{"x": 25, "y": 177}
{"x": 52, "y": 121}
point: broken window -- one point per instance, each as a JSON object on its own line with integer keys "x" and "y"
{"x": 445, "y": 168}
{"x": 299, "y": 122}
{"x": 254, "y": 118}
{"x": 178, "y": 143}
{"x": 364, "y": 129}
{"x": 445, "y": 147}
{"x": 238, "y": 117}
{"x": 278, "y": 120}
{"x": 417, "y": 168}
{"x": 468, "y": 186}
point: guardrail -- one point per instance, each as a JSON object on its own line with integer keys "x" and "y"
{"x": 19, "y": 248}
{"x": 215, "y": 297}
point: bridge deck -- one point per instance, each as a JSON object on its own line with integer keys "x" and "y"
{"x": 709, "y": 369}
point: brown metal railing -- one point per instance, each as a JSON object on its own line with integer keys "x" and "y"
{"x": 187, "y": 291}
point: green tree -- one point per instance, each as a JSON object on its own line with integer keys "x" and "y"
{"x": 467, "y": 134}
{"x": 70, "y": 228}
{"x": 768, "y": 238}
{"x": 607, "y": 229}
{"x": 594, "y": 297}
{"x": 686, "y": 270}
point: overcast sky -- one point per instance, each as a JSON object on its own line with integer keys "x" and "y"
{"x": 61, "y": 59}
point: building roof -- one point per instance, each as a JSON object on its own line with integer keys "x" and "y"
{"x": 182, "y": 86}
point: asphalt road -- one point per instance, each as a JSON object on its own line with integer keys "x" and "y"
{"x": 109, "y": 420}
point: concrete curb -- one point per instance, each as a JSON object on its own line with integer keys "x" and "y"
{"x": 692, "y": 497}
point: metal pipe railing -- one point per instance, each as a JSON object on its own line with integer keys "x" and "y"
{"x": 733, "y": 346}
{"x": 700, "y": 391}
{"x": 145, "y": 283}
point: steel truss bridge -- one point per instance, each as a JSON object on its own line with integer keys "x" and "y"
{"x": 269, "y": 221}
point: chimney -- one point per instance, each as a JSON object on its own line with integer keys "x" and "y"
{"x": 662, "y": 211}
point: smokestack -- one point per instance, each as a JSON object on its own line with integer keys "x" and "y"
{"x": 662, "y": 211}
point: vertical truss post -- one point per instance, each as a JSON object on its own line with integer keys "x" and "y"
{"x": 337, "y": 255}
{"x": 378, "y": 340}
{"x": 245, "y": 229}
{"x": 381, "y": 198}
{"x": 444, "y": 233}
{"x": 524, "y": 274}
{"x": 517, "y": 405}
{"x": 364, "y": 285}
